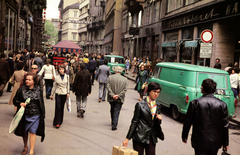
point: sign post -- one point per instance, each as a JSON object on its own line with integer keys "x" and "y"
{"x": 206, "y": 47}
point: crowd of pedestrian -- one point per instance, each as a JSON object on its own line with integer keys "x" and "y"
{"x": 28, "y": 73}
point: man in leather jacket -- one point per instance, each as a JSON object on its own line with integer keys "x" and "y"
{"x": 209, "y": 117}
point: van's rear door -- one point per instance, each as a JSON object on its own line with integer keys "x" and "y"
{"x": 223, "y": 91}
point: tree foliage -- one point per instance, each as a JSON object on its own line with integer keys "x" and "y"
{"x": 51, "y": 31}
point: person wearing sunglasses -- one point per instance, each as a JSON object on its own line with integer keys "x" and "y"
{"x": 34, "y": 70}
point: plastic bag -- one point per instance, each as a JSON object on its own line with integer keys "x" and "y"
{"x": 68, "y": 104}
{"x": 17, "y": 118}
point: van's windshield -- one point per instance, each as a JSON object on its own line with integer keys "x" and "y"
{"x": 115, "y": 60}
{"x": 220, "y": 79}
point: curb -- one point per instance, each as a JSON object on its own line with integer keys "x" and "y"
{"x": 234, "y": 121}
{"x": 129, "y": 78}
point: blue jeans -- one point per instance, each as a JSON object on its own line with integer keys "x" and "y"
{"x": 48, "y": 86}
{"x": 102, "y": 90}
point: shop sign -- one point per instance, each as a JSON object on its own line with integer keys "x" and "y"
{"x": 209, "y": 13}
{"x": 205, "y": 50}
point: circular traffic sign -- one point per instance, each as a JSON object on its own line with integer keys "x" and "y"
{"x": 207, "y": 36}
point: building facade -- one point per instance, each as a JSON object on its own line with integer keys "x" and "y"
{"x": 183, "y": 23}
{"x": 171, "y": 29}
{"x": 82, "y": 30}
{"x": 22, "y": 24}
{"x": 96, "y": 29}
{"x": 113, "y": 27}
{"x": 70, "y": 30}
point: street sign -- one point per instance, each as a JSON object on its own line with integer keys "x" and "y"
{"x": 205, "y": 50}
{"x": 207, "y": 36}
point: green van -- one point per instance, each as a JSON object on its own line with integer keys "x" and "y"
{"x": 181, "y": 83}
{"x": 115, "y": 60}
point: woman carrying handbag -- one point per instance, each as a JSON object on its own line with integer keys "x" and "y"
{"x": 61, "y": 89}
{"x": 145, "y": 126}
{"x": 49, "y": 76}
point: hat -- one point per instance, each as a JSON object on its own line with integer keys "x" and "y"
{"x": 117, "y": 69}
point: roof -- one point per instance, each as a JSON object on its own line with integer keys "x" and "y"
{"x": 116, "y": 56}
{"x": 190, "y": 67}
{"x": 73, "y": 6}
{"x": 67, "y": 44}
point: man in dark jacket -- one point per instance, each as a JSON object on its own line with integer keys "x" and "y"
{"x": 92, "y": 67}
{"x": 209, "y": 117}
{"x": 11, "y": 67}
{"x": 82, "y": 87}
{"x": 217, "y": 65}
{"x": 5, "y": 72}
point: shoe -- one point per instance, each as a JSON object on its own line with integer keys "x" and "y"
{"x": 99, "y": 100}
{"x": 78, "y": 115}
{"x": 57, "y": 126}
{"x": 82, "y": 114}
{"x": 103, "y": 100}
{"x": 114, "y": 128}
{"x": 24, "y": 151}
{"x": 47, "y": 96}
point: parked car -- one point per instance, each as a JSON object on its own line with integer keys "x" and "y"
{"x": 115, "y": 60}
{"x": 181, "y": 83}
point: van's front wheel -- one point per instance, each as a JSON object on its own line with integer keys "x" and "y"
{"x": 175, "y": 113}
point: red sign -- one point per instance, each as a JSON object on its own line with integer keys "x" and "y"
{"x": 207, "y": 36}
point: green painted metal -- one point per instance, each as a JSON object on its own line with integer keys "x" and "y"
{"x": 178, "y": 80}
{"x": 115, "y": 60}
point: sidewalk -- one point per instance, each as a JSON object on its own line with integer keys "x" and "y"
{"x": 237, "y": 109}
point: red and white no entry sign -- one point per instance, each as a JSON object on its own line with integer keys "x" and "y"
{"x": 207, "y": 36}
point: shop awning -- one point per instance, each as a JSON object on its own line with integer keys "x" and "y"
{"x": 169, "y": 44}
{"x": 191, "y": 43}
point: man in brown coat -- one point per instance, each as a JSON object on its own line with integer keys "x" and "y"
{"x": 82, "y": 87}
{"x": 5, "y": 72}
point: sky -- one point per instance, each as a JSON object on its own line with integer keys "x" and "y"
{"x": 52, "y": 9}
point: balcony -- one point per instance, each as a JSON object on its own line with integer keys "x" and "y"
{"x": 96, "y": 26}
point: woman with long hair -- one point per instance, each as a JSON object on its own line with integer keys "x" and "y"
{"x": 61, "y": 89}
{"x": 32, "y": 122}
{"x": 49, "y": 76}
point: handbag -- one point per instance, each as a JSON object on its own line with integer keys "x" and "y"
{"x": 17, "y": 118}
{"x": 68, "y": 104}
{"x": 158, "y": 128}
{"x": 53, "y": 78}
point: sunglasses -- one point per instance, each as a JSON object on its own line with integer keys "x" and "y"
{"x": 34, "y": 68}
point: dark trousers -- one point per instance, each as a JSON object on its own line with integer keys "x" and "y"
{"x": 59, "y": 109}
{"x": 204, "y": 152}
{"x": 92, "y": 72}
{"x": 48, "y": 86}
{"x": 115, "y": 111}
{"x": 9, "y": 86}
{"x": 149, "y": 148}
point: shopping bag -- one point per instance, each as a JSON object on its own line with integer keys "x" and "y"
{"x": 17, "y": 118}
{"x": 68, "y": 104}
{"x": 119, "y": 150}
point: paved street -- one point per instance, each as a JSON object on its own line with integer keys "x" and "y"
{"x": 92, "y": 135}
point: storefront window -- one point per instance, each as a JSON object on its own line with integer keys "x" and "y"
{"x": 187, "y": 33}
{"x": 9, "y": 30}
{"x": 186, "y": 54}
{"x": 21, "y": 40}
{"x": 174, "y": 4}
{"x": 171, "y": 36}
